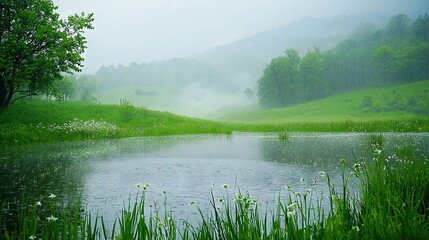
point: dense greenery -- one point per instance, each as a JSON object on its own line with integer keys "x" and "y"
{"x": 37, "y": 46}
{"x": 386, "y": 197}
{"x": 401, "y": 102}
{"x": 396, "y": 53}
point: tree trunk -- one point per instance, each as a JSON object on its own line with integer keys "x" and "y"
{"x": 2, "y": 93}
{"x": 6, "y": 93}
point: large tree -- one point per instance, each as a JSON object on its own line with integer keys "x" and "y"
{"x": 37, "y": 46}
{"x": 276, "y": 86}
{"x": 310, "y": 69}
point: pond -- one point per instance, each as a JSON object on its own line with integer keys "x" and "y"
{"x": 188, "y": 168}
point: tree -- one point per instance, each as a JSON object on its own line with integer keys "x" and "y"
{"x": 413, "y": 62}
{"x": 270, "y": 85}
{"x": 421, "y": 27}
{"x": 36, "y": 46}
{"x": 86, "y": 87}
{"x": 63, "y": 89}
{"x": 276, "y": 86}
{"x": 310, "y": 69}
{"x": 398, "y": 25}
{"x": 385, "y": 58}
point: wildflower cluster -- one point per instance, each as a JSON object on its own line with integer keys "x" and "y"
{"x": 86, "y": 129}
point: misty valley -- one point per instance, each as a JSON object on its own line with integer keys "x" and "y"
{"x": 317, "y": 128}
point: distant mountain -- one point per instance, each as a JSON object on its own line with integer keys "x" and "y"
{"x": 259, "y": 49}
{"x": 226, "y": 70}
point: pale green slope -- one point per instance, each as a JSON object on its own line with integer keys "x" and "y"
{"x": 343, "y": 107}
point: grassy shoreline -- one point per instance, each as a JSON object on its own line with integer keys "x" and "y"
{"x": 388, "y": 200}
{"x": 33, "y": 122}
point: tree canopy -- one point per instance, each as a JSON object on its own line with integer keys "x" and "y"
{"x": 37, "y": 46}
{"x": 399, "y": 52}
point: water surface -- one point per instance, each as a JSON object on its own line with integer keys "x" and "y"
{"x": 186, "y": 167}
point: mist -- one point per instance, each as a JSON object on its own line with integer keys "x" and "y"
{"x": 221, "y": 46}
{"x": 154, "y": 30}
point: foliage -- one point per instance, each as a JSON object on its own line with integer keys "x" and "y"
{"x": 86, "y": 88}
{"x": 395, "y": 101}
{"x": 399, "y": 52}
{"x": 63, "y": 89}
{"x": 36, "y": 46}
{"x": 421, "y": 27}
{"x": 280, "y": 73}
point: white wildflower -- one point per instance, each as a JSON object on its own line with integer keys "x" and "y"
{"x": 292, "y": 205}
{"x": 52, "y": 218}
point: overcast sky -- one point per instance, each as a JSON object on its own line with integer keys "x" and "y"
{"x": 154, "y": 30}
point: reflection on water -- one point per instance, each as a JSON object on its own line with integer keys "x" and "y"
{"x": 187, "y": 167}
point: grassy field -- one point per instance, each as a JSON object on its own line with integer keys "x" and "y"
{"x": 388, "y": 103}
{"x": 37, "y": 121}
{"x": 40, "y": 121}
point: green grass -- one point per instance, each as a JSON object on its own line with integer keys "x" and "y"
{"x": 31, "y": 122}
{"x": 346, "y": 107}
{"x": 374, "y": 110}
{"x": 386, "y": 197}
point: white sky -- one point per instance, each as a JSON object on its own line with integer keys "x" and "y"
{"x": 148, "y": 30}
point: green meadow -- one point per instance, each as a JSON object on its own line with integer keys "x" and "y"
{"x": 395, "y": 102}
{"x": 37, "y": 121}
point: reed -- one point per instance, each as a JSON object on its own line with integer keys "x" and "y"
{"x": 386, "y": 197}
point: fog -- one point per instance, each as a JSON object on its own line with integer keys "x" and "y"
{"x": 145, "y": 31}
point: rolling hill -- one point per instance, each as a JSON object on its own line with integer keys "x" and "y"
{"x": 395, "y": 102}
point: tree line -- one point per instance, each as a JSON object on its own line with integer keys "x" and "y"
{"x": 398, "y": 52}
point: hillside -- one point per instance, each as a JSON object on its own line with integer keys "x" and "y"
{"x": 395, "y": 102}
{"x": 216, "y": 79}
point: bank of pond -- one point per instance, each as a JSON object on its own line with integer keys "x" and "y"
{"x": 40, "y": 122}
{"x": 238, "y": 186}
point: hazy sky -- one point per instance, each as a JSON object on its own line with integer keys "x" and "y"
{"x": 147, "y": 30}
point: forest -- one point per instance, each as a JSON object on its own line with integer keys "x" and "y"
{"x": 396, "y": 53}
